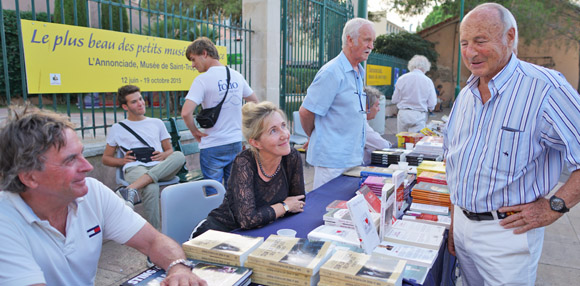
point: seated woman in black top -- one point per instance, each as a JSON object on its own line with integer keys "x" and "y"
{"x": 266, "y": 181}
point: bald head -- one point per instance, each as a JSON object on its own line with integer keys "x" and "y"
{"x": 503, "y": 17}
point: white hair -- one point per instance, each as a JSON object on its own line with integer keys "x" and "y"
{"x": 351, "y": 28}
{"x": 419, "y": 62}
{"x": 507, "y": 18}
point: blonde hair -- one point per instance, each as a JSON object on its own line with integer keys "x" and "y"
{"x": 253, "y": 117}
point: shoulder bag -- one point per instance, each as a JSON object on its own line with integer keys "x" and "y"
{"x": 142, "y": 154}
{"x": 208, "y": 117}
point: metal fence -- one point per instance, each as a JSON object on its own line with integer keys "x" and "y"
{"x": 310, "y": 35}
{"x": 398, "y": 68}
{"x": 145, "y": 17}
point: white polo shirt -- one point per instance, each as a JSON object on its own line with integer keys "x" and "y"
{"x": 32, "y": 251}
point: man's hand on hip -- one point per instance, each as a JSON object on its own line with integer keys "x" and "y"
{"x": 529, "y": 216}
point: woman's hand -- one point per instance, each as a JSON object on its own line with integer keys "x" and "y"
{"x": 295, "y": 203}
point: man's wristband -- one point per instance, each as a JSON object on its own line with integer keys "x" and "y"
{"x": 179, "y": 261}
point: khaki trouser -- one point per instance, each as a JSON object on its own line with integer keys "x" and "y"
{"x": 163, "y": 171}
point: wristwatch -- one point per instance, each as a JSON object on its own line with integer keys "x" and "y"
{"x": 558, "y": 205}
{"x": 286, "y": 208}
{"x": 179, "y": 261}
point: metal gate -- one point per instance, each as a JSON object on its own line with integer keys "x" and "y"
{"x": 311, "y": 34}
{"x": 95, "y": 112}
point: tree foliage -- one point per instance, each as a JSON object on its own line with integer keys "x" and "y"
{"x": 437, "y": 16}
{"x": 13, "y": 53}
{"x": 540, "y": 21}
{"x": 69, "y": 17}
{"x": 405, "y": 46}
{"x": 212, "y": 7}
{"x": 116, "y": 11}
{"x": 537, "y": 19}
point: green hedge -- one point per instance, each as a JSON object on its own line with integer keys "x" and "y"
{"x": 15, "y": 67}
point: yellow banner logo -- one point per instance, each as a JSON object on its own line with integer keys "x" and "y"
{"x": 70, "y": 59}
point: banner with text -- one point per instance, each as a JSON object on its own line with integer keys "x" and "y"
{"x": 378, "y": 75}
{"x": 62, "y": 58}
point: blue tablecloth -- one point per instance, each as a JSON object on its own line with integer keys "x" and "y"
{"x": 344, "y": 188}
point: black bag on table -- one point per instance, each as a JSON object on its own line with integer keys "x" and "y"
{"x": 207, "y": 117}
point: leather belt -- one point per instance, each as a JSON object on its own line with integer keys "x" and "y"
{"x": 493, "y": 215}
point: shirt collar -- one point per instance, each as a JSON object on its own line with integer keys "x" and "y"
{"x": 27, "y": 213}
{"x": 346, "y": 66}
{"x": 500, "y": 79}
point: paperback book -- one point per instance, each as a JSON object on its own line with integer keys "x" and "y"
{"x": 221, "y": 247}
{"x": 414, "y": 255}
{"x": 338, "y": 235}
{"x": 363, "y": 223}
{"x": 414, "y": 238}
{"x": 291, "y": 254}
{"x": 212, "y": 273}
{"x": 362, "y": 269}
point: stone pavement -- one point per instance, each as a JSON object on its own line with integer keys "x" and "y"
{"x": 559, "y": 264}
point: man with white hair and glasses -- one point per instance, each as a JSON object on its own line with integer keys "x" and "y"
{"x": 334, "y": 111}
{"x": 512, "y": 130}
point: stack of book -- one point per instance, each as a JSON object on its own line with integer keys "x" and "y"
{"x": 213, "y": 273}
{"x": 376, "y": 183}
{"x": 429, "y": 209}
{"x": 352, "y": 268}
{"x": 282, "y": 260}
{"x": 414, "y": 158}
{"x": 430, "y": 145}
{"x": 365, "y": 171}
{"x": 414, "y": 255}
{"x": 431, "y": 193}
{"x": 341, "y": 218}
{"x": 221, "y": 247}
{"x": 386, "y": 157}
{"x": 432, "y": 177}
{"x": 431, "y": 166}
{"x": 441, "y": 220}
{"x": 408, "y": 137}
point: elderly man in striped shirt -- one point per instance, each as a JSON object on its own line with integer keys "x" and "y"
{"x": 512, "y": 130}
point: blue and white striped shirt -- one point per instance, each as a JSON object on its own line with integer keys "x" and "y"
{"x": 511, "y": 150}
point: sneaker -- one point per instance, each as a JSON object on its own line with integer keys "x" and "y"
{"x": 128, "y": 194}
{"x": 149, "y": 263}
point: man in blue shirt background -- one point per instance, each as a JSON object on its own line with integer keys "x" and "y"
{"x": 334, "y": 111}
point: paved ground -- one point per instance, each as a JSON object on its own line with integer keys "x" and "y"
{"x": 559, "y": 264}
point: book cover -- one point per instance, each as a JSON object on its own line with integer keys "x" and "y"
{"x": 341, "y": 235}
{"x": 419, "y": 227}
{"x": 373, "y": 201}
{"x": 336, "y": 204}
{"x": 388, "y": 210}
{"x": 431, "y": 187}
{"x": 212, "y": 273}
{"x": 363, "y": 223}
{"x": 440, "y": 220}
{"x": 432, "y": 177}
{"x": 291, "y": 254}
{"x": 414, "y": 238}
{"x": 430, "y": 209}
{"x": 415, "y": 273}
{"x": 413, "y": 254}
{"x": 374, "y": 269}
{"x": 224, "y": 245}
